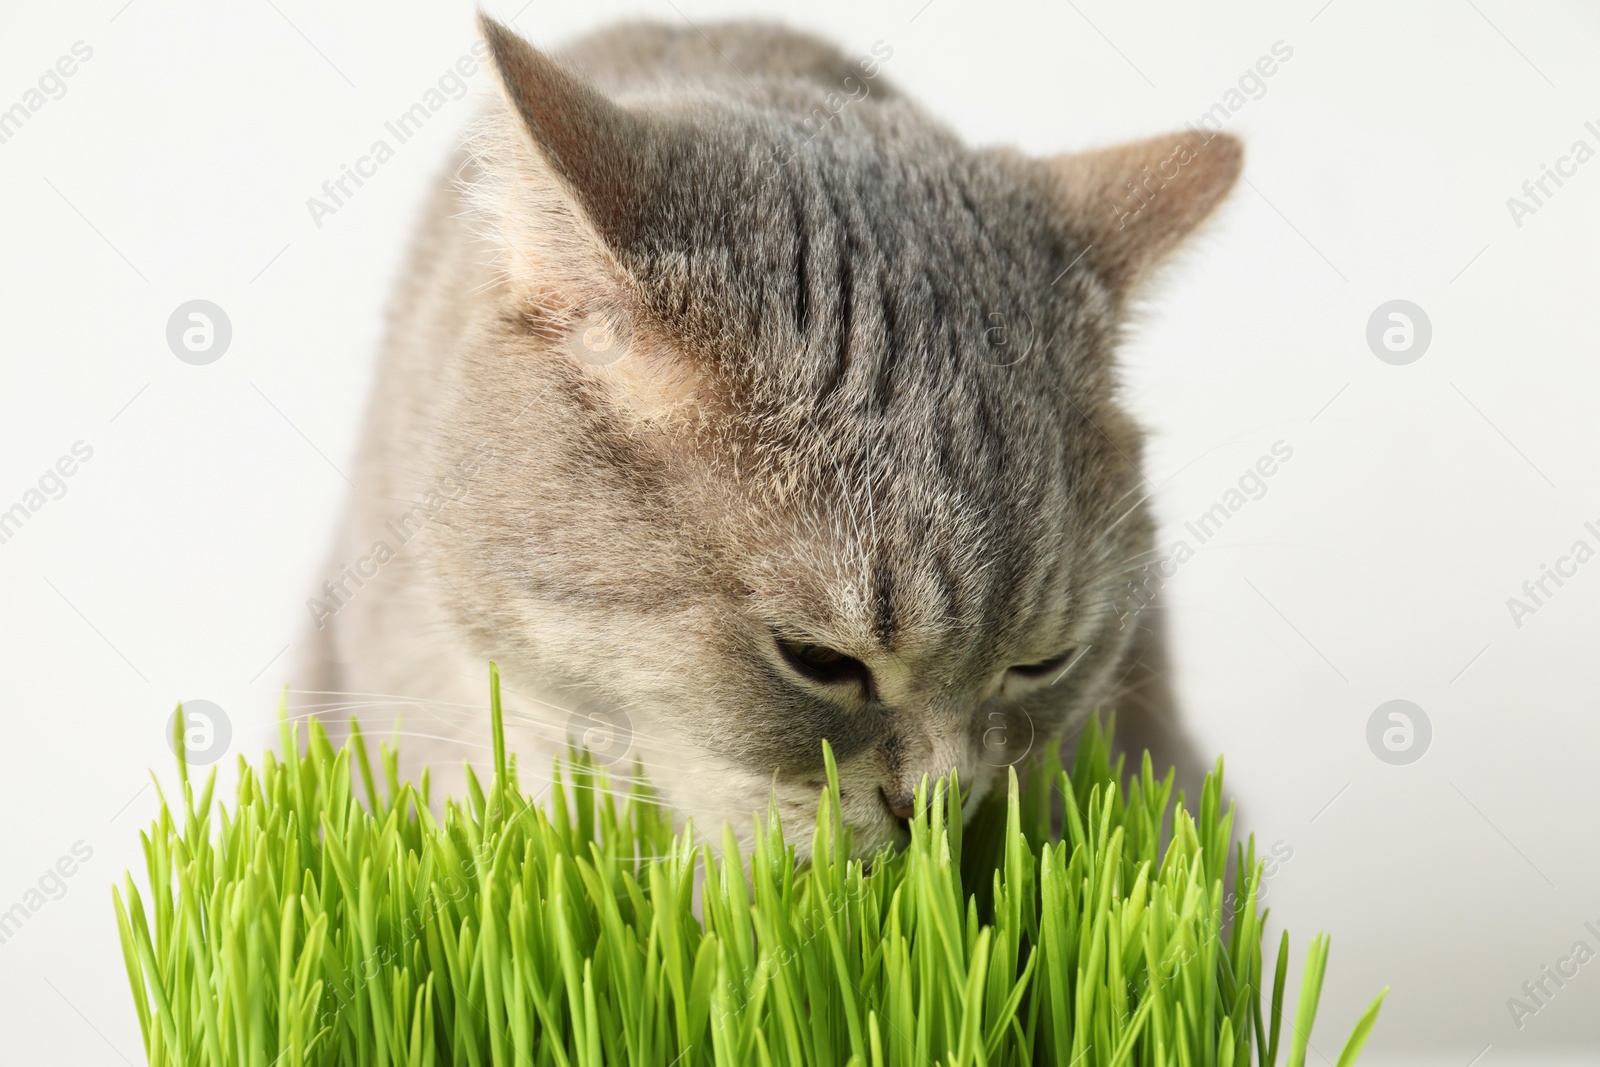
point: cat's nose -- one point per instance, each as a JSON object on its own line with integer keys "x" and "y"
{"x": 901, "y": 805}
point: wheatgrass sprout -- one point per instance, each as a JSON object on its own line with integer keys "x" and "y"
{"x": 327, "y": 919}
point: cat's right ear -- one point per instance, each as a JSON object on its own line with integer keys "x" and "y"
{"x": 565, "y": 168}
{"x": 1132, "y": 204}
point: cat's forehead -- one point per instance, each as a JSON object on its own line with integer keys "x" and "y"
{"x": 883, "y": 233}
{"x": 892, "y": 272}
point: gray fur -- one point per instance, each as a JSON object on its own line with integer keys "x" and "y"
{"x": 867, "y": 400}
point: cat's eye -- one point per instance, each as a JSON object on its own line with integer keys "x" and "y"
{"x": 824, "y": 665}
{"x": 1045, "y": 668}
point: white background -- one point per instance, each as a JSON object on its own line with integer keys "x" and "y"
{"x": 178, "y": 163}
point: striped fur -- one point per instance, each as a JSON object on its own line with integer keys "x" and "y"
{"x": 858, "y": 389}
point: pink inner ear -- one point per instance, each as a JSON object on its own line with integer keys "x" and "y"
{"x": 1132, "y": 203}
{"x": 588, "y": 145}
{"x": 555, "y": 186}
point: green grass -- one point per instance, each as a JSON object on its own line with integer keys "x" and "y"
{"x": 326, "y": 920}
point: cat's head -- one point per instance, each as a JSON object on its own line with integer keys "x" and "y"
{"x": 803, "y": 431}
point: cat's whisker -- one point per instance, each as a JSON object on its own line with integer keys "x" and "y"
{"x": 1137, "y": 562}
{"x": 1136, "y": 487}
{"x": 1104, "y": 534}
{"x": 386, "y": 696}
{"x": 443, "y": 739}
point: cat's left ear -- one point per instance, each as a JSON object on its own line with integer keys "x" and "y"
{"x": 567, "y": 185}
{"x": 1131, "y": 204}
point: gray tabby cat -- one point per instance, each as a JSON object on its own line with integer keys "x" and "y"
{"x": 732, "y": 404}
